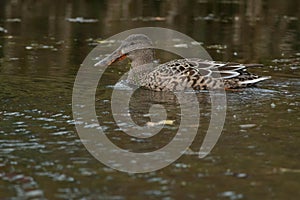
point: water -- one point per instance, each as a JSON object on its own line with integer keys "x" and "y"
{"x": 41, "y": 48}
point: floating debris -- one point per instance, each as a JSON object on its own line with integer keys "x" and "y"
{"x": 12, "y": 59}
{"x": 181, "y": 165}
{"x": 149, "y": 19}
{"x": 289, "y": 110}
{"x": 16, "y": 114}
{"x": 247, "y": 125}
{"x": 162, "y": 122}
{"x": 241, "y": 175}
{"x": 282, "y": 60}
{"x": 34, "y": 194}
{"x": 3, "y": 30}
{"x": 105, "y": 41}
{"x": 45, "y": 119}
{"x": 94, "y": 125}
{"x": 181, "y": 45}
{"x": 294, "y": 67}
{"x": 284, "y": 170}
{"x": 212, "y": 18}
{"x": 81, "y": 20}
{"x": 29, "y": 47}
{"x": 290, "y": 18}
{"x": 196, "y": 43}
{"x": 13, "y": 20}
{"x": 39, "y": 46}
{"x": 60, "y": 133}
{"x": 209, "y": 17}
{"x": 217, "y": 46}
{"x": 273, "y": 105}
{"x": 231, "y": 195}
{"x": 57, "y": 115}
{"x": 92, "y": 42}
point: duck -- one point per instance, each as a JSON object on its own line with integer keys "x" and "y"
{"x": 179, "y": 74}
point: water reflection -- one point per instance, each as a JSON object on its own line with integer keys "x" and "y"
{"x": 239, "y": 26}
{"x": 42, "y": 45}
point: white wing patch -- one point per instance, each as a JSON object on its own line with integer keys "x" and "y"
{"x": 254, "y": 80}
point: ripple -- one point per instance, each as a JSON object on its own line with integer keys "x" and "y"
{"x": 81, "y": 20}
{"x": 61, "y": 133}
{"x": 231, "y": 195}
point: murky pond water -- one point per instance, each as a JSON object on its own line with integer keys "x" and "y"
{"x": 42, "y": 45}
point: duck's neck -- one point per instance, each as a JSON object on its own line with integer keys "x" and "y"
{"x": 141, "y": 57}
{"x": 142, "y": 62}
{"x": 138, "y": 74}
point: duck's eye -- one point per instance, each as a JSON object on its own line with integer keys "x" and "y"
{"x": 132, "y": 43}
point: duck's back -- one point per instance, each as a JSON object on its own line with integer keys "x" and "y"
{"x": 198, "y": 74}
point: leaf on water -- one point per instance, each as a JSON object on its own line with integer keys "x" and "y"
{"x": 283, "y": 170}
{"x": 244, "y": 126}
{"x": 164, "y": 122}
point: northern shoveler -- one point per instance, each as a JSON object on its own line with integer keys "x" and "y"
{"x": 180, "y": 74}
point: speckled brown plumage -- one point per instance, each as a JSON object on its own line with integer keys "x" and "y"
{"x": 181, "y": 74}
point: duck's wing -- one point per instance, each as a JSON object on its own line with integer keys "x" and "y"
{"x": 199, "y": 74}
{"x": 216, "y": 69}
{"x": 233, "y": 74}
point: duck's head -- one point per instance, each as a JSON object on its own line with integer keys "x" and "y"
{"x": 137, "y": 47}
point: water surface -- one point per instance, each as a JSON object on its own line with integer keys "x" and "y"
{"x": 42, "y": 45}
